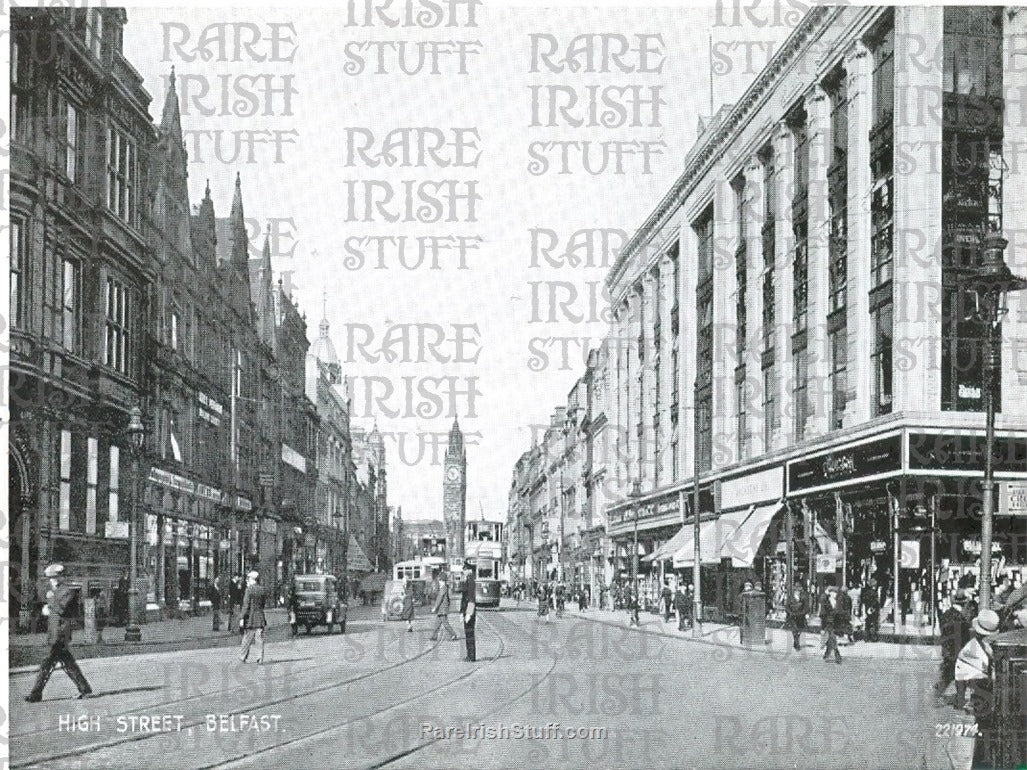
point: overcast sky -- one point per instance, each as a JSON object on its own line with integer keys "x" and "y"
{"x": 317, "y": 102}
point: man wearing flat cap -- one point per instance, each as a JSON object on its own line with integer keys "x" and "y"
{"x": 468, "y": 611}
{"x": 60, "y": 608}
{"x": 253, "y": 620}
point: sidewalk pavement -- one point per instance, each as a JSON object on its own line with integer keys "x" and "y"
{"x": 27, "y": 650}
{"x": 779, "y": 641}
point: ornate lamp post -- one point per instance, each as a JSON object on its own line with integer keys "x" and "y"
{"x": 991, "y": 284}
{"x": 136, "y": 434}
{"x": 635, "y": 494}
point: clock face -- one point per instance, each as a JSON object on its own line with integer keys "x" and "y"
{"x": 453, "y": 473}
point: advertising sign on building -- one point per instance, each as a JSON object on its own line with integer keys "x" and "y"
{"x": 827, "y": 563}
{"x": 1012, "y": 498}
{"x": 116, "y": 529}
{"x": 910, "y": 554}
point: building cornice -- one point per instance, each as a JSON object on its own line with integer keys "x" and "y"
{"x": 709, "y": 150}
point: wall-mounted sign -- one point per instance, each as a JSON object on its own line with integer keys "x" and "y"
{"x": 826, "y": 563}
{"x": 955, "y": 451}
{"x": 878, "y": 546}
{"x": 116, "y": 529}
{"x": 1012, "y": 498}
{"x": 863, "y": 460}
{"x": 291, "y": 457}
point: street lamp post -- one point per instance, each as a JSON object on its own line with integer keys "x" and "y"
{"x": 635, "y": 494}
{"x": 136, "y": 436}
{"x": 991, "y": 284}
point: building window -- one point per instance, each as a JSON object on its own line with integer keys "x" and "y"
{"x": 881, "y": 161}
{"x": 741, "y": 268}
{"x": 94, "y": 31}
{"x": 173, "y": 331}
{"x": 70, "y": 306}
{"x": 112, "y": 494}
{"x": 769, "y": 248}
{"x": 973, "y": 51}
{"x": 800, "y": 392}
{"x": 800, "y": 278}
{"x": 838, "y": 194}
{"x": 121, "y": 175}
{"x": 741, "y": 420}
{"x": 71, "y": 142}
{"x": 769, "y": 408}
{"x": 21, "y": 95}
{"x": 838, "y": 384}
{"x": 92, "y": 459}
{"x": 18, "y": 262}
{"x": 117, "y": 336}
{"x": 64, "y": 511}
{"x": 768, "y": 310}
{"x": 881, "y": 359}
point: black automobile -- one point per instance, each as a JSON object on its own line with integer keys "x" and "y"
{"x": 318, "y": 603}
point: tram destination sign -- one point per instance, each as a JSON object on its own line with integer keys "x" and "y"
{"x": 864, "y": 460}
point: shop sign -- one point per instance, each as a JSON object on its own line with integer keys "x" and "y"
{"x": 1012, "y": 498}
{"x": 225, "y": 545}
{"x": 974, "y": 547}
{"x": 116, "y": 529}
{"x": 878, "y": 546}
{"x": 826, "y": 563}
{"x": 172, "y": 480}
{"x": 752, "y": 488}
{"x": 955, "y": 451}
{"x": 243, "y": 504}
{"x": 865, "y": 460}
{"x": 208, "y": 493}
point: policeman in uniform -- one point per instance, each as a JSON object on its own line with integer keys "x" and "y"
{"x": 467, "y": 610}
{"x": 60, "y": 608}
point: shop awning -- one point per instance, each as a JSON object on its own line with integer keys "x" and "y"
{"x": 712, "y": 536}
{"x": 741, "y": 546}
{"x": 356, "y": 559}
{"x": 666, "y": 551}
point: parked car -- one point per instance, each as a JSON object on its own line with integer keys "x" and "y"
{"x": 392, "y": 600}
{"x": 318, "y": 603}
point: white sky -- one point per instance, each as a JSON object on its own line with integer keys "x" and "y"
{"x": 494, "y": 293}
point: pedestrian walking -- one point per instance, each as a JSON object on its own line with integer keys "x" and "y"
{"x": 60, "y": 609}
{"x": 955, "y": 632}
{"x": 681, "y": 606}
{"x": 408, "y": 604}
{"x": 871, "y": 598}
{"x": 845, "y": 613}
{"x": 467, "y": 610}
{"x": 561, "y": 599}
{"x": 253, "y": 621}
{"x": 440, "y": 608}
{"x": 235, "y": 594}
{"x": 668, "y": 601}
{"x": 795, "y": 617}
{"x": 214, "y": 594}
{"x": 543, "y": 602}
{"x": 973, "y": 664}
{"x": 291, "y": 605}
{"x": 831, "y": 620}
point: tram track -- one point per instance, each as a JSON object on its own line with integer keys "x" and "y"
{"x": 293, "y": 743}
{"x": 81, "y": 751}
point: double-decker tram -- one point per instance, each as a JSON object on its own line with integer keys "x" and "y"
{"x": 418, "y": 572}
{"x": 486, "y": 582}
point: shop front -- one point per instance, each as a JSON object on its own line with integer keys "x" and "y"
{"x": 901, "y": 514}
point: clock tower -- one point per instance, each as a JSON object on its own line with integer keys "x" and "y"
{"x": 454, "y": 493}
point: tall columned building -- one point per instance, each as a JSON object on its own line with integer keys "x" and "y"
{"x": 454, "y": 491}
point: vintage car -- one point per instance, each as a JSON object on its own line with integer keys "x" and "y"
{"x": 318, "y": 603}
{"x": 392, "y": 600}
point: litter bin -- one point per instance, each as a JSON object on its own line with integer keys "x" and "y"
{"x": 1005, "y": 743}
{"x": 754, "y": 618}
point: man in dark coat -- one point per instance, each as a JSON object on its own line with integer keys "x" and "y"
{"x": 831, "y": 620}
{"x": 955, "y": 632}
{"x": 845, "y": 613}
{"x": 253, "y": 620}
{"x": 668, "y": 597}
{"x": 235, "y": 593}
{"x": 870, "y": 596}
{"x": 291, "y": 605}
{"x": 681, "y": 605}
{"x": 467, "y": 610}
{"x": 60, "y": 609}
{"x": 795, "y": 617}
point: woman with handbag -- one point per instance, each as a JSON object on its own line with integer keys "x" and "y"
{"x": 408, "y": 604}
